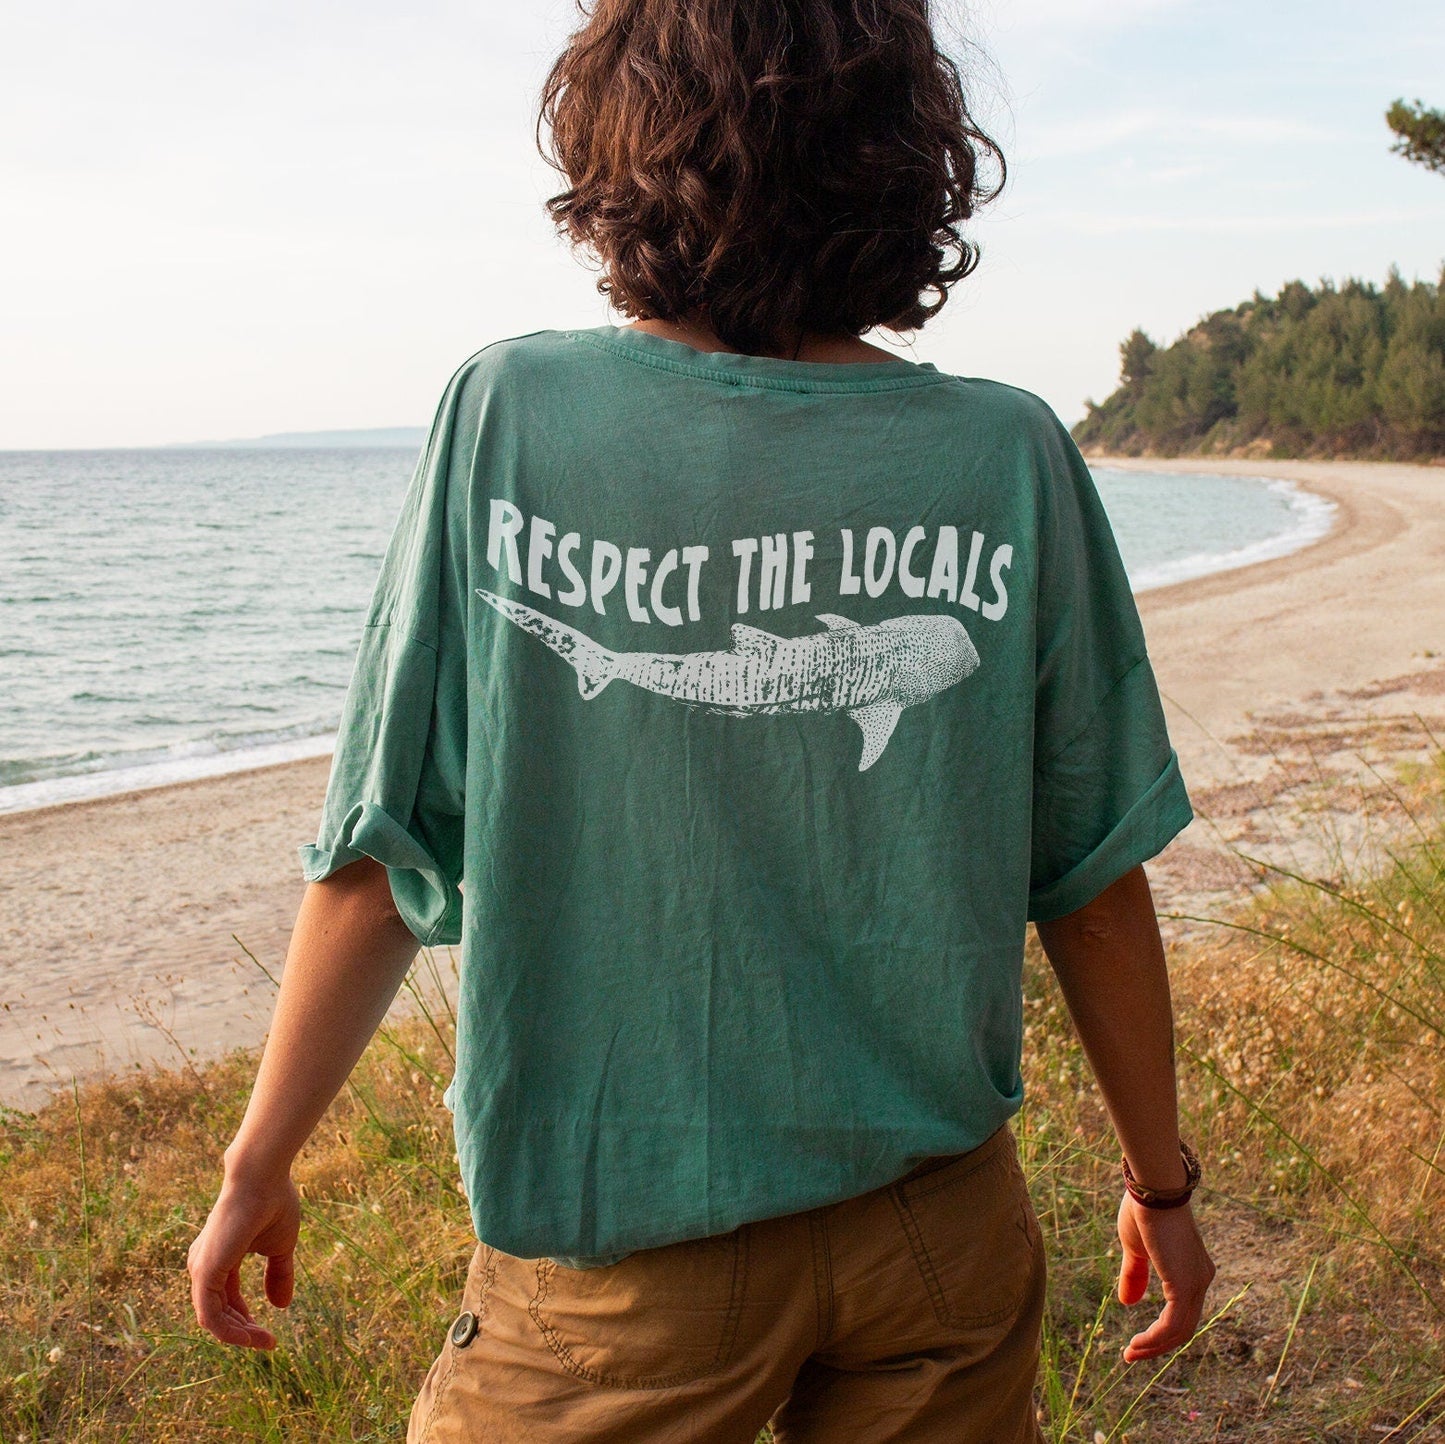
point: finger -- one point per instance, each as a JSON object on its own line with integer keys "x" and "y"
{"x": 1173, "y": 1328}
{"x": 215, "y": 1298}
{"x": 1133, "y": 1276}
{"x": 233, "y": 1294}
{"x": 239, "y": 1313}
{"x": 220, "y": 1319}
{"x": 247, "y": 1330}
{"x": 251, "y": 1334}
{"x": 281, "y": 1279}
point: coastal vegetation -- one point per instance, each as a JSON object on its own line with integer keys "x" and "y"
{"x": 1351, "y": 370}
{"x": 1311, "y": 1029}
{"x": 1419, "y": 134}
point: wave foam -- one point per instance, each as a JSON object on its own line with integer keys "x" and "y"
{"x": 1314, "y": 517}
{"x": 186, "y": 762}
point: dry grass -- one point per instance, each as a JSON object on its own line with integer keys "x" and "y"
{"x": 1311, "y": 1034}
{"x": 1312, "y": 1068}
{"x": 101, "y": 1194}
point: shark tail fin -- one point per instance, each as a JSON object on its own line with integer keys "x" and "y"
{"x": 876, "y": 723}
{"x": 594, "y": 664}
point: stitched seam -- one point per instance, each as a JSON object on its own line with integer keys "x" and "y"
{"x": 921, "y": 1255}
{"x": 731, "y": 1324}
{"x": 926, "y": 1266}
{"x": 489, "y": 1277}
{"x": 1041, "y": 763}
{"x": 983, "y": 1156}
{"x": 547, "y": 1268}
{"x": 490, "y": 1274}
{"x": 827, "y": 1300}
{"x": 863, "y": 386}
{"x": 440, "y": 1391}
{"x": 820, "y": 1306}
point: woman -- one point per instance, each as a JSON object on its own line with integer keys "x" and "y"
{"x": 760, "y": 685}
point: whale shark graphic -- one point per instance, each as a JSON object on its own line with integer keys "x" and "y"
{"x": 871, "y": 673}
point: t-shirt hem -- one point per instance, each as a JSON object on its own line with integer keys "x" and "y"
{"x": 528, "y": 1233}
{"x": 599, "y": 1261}
{"x": 1143, "y": 832}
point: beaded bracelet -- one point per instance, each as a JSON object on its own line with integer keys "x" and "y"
{"x": 1175, "y": 1198}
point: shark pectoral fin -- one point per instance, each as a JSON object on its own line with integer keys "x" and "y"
{"x": 752, "y": 642}
{"x": 834, "y": 623}
{"x": 877, "y": 723}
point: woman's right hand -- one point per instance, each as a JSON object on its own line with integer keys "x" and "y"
{"x": 251, "y": 1215}
{"x": 349, "y": 952}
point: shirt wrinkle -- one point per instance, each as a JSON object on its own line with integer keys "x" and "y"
{"x": 747, "y": 923}
{"x": 1089, "y": 720}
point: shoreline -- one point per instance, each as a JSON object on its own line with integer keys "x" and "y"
{"x": 1338, "y": 541}
{"x": 129, "y": 779}
{"x": 118, "y": 782}
{"x": 1384, "y": 512}
{"x": 1294, "y": 689}
{"x": 119, "y": 914}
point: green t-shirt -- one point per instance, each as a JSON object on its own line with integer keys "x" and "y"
{"x": 759, "y": 703}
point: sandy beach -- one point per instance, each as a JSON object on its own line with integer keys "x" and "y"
{"x": 1282, "y": 681}
{"x": 1294, "y": 687}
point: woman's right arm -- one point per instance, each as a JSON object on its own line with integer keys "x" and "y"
{"x": 1109, "y": 961}
{"x": 349, "y": 953}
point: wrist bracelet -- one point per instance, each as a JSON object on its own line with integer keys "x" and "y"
{"x": 1174, "y": 1198}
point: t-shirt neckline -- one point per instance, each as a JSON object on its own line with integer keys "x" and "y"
{"x": 762, "y": 371}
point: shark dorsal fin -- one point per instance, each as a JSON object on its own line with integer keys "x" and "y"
{"x": 876, "y": 723}
{"x": 835, "y": 623}
{"x": 752, "y": 641}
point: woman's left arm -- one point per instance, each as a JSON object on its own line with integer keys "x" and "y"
{"x": 1110, "y": 964}
{"x": 349, "y": 953}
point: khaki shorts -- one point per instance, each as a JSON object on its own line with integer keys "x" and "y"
{"x": 911, "y": 1313}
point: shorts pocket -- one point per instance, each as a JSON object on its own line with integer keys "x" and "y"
{"x": 659, "y": 1317}
{"x": 973, "y": 1234}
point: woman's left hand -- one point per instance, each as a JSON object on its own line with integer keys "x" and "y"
{"x": 1169, "y": 1241}
{"x": 250, "y": 1216}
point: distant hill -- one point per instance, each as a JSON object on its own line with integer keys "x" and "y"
{"x": 411, "y": 437}
{"x": 1350, "y": 371}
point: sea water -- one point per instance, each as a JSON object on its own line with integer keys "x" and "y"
{"x": 1173, "y": 526}
{"x": 173, "y": 614}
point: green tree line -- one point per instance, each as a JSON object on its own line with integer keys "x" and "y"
{"x": 1348, "y": 370}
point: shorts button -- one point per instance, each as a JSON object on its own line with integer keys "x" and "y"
{"x": 465, "y": 1328}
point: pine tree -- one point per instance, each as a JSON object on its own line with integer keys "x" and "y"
{"x": 1420, "y": 134}
{"x": 1352, "y": 369}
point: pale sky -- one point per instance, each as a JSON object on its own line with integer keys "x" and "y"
{"x": 221, "y": 220}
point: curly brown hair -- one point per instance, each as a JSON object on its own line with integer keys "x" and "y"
{"x": 772, "y": 165}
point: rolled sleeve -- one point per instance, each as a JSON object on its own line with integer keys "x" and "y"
{"x": 396, "y": 789}
{"x": 1107, "y": 790}
{"x": 1145, "y": 829}
{"x": 371, "y": 807}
